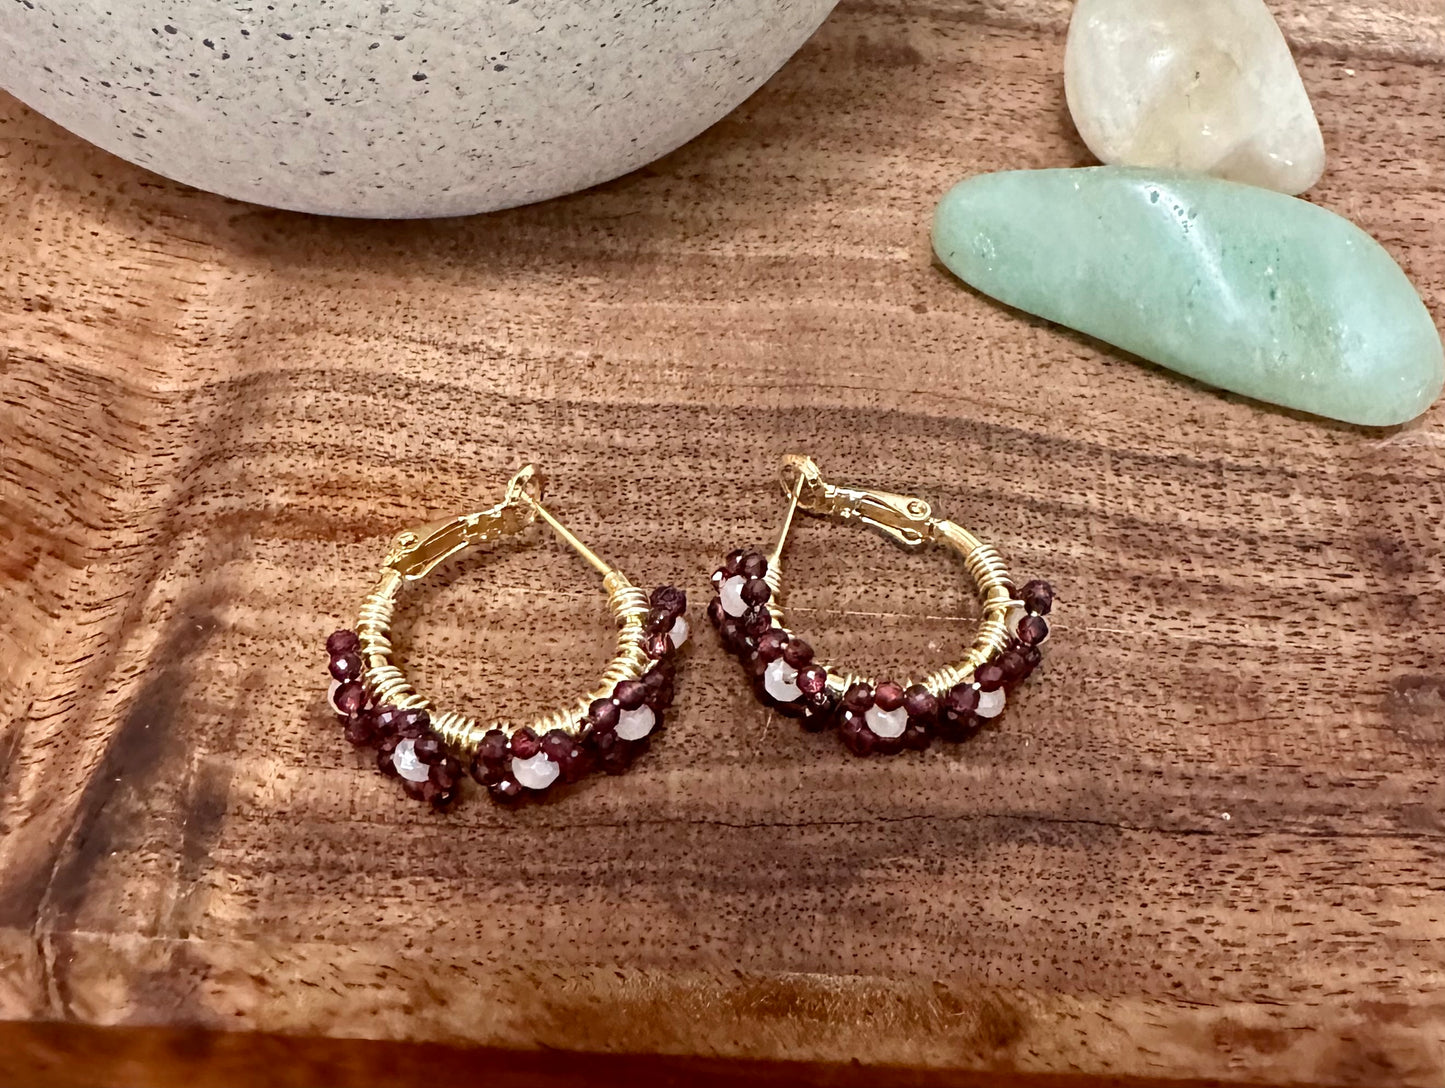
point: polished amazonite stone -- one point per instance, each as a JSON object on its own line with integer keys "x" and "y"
{"x": 1243, "y": 288}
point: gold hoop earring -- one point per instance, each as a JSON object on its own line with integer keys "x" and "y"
{"x": 881, "y": 716}
{"x": 428, "y": 749}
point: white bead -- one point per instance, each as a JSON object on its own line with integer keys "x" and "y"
{"x": 403, "y": 758}
{"x": 1012, "y": 617}
{"x": 731, "y": 592}
{"x": 990, "y": 704}
{"x": 780, "y": 681}
{"x": 331, "y": 695}
{"x": 678, "y": 634}
{"x": 887, "y": 723}
{"x": 635, "y": 724}
{"x": 536, "y": 773}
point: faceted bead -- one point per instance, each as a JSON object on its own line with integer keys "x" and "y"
{"x": 414, "y": 788}
{"x": 1033, "y": 655}
{"x": 988, "y": 677}
{"x": 715, "y": 612}
{"x": 753, "y": 565}
{"x": 602, "y": 713}
{"x": 486, "y": 773}
{"x": 888, "y": 696}
{"x": 360, "y": 731}
{"x": 886, "y": 723}
{"x": 1038, "y": 596}
{"x": 888, "y": 746}
{"x": 771, "y": 644}
{"x": 732, "y": 633}
{"x": 858, "y": 697}
{"x": 678, "y": 632}
{"x": 779, "y": 681}
{"x": 505, "y": 789}
{"x": 733, "y": 563}
{"x": 404, "y": 759}
{"x": 757, "y": 665}
{"x": 957, "y": 727}
{"x": 412, "y": 723}
{"x": 660, "y": 698}
{"x": 345, "y": 666}
{"x": 757, "y": 621}
{"x": 525, "y": 744}
{"x": 961, "y": 699}
{"x": 856, "y": 734}
{"x": 816, "y": 711}
{"x": 660, "y": 675}
{"x": 670, "y": 599}
{"x": 657, "y": 646}
{"x": 920, "y": 702}
{"x": 575, "y": 764}
{"x": 1013, "y": 617}
{"x": 636, "y": 723}
{"x": 1014, "y": 665}
{"x": 349, "y": 698}
{"x": 811, "y": 679}
{"x": 439, "y": 796}
{"x": 445, "y": 773}
{"x": 630, "y": 694}
{"x": 731, "y": 595}
{"x": 556, "y": 744}
{"x": 536, "y": 772}
{"x": 383, "y": 757}
{"x": 493, "y": 747}
{"x": 616, "y": 759}
{"x": 429, "y": 748}
{"x": 386, "y": 718}
{"x": 990, "y": 703}
{"x": 1033, "y": 630}
{"x": 797, "y": 653}
{"x": 659, "y": 620}
{"x": 756, "y": 591}
{"x": 342, "y": 642}
{"x": 916, "y": 737}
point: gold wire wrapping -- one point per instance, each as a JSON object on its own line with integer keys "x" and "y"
{"x": 995, "y": 590}
{"x": 387, "y": 684}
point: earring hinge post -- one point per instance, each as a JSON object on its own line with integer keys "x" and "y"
{"x": 567, "y": 536}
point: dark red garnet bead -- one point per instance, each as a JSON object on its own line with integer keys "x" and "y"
{"x": 346, "y": 666}
{"x": 659, "y": 619}
{"x": 415, "y": 790}
{"x": 812, "y": 679}
{"x": 383, "y": 757}
{"x": 557, "y": 744}
{"x": 753, "y": 565}
{"x": 859, "y": 739}
{"x": 429, "y": 748}
{"x": 602, "y": 713}
{"x": 916, "y": 737}
{"x": 630, "y": 694}
{"x": 505, "y": 788}
{"x": 1033, "y": 655}
{"x": 343, "y": 642}
{"x": 412, "y": 723}
{"x": 858, "y": 698}
{"x": 350, "y": 697}
{"x": 575, "y": 763}
{"x": 1038, "y": 596}
{"x": 493, "y": 748}
{"x": 360, "y": 730}
{"x": 732, "y": 633}
{"x": 797, "y": 653}
{"x": 715, "y": 612}
{"x": 771, "y": 644}
{"x": 669, "y": 599}
{"x": 445, "y": 773}
{"x": 989, "y": 677}
{"x": 888, "y": 695}
{"x": 525, "y": 744}
{"x": 486, "y": 773}
{"x": 1014, "y": 665}
{"x": 920, "y": 702}
{"x": 1032, "y": 630}
{"x": 733, "y": 563}
{"x": 657, "y": 645}
{"x": 757, "y": 621}
{"x": 756, "y": 591}
{"x": 961, "y": 699}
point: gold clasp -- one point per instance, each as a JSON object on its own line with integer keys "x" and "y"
{"x": 906, "y": 519}
{"x": 415, "y": 553}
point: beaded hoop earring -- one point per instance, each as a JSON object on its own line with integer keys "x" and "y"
{"x": 881, "y": 716}
{"x": 427, "y": 749}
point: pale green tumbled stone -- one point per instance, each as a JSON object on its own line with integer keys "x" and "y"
{"x": 1238, "y": 287}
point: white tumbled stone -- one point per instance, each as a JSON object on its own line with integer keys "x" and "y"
{"x": 990, "y": 704}
{"x": 635, "y": 724}
{"x": 331, "y": 695}
{"x": 1206, "y": 86}
{"x": 780, "y": 680}
{"x": 887, "y": 723}
{"x": 403, "y": 758}
{"x": 679, "y": 633}
{"x": 535, "y": 773}
{"x": 731, "y": 592}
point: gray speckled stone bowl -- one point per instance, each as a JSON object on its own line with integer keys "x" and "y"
{"x": 371, "y": 108}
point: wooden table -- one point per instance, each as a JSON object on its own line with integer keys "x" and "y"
{"x": 1207, "y": 845}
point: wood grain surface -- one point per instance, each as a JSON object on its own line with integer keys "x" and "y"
{"x": 1207, "y": 845}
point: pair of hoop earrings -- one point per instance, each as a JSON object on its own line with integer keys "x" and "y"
{"x": 430, "y": 751}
